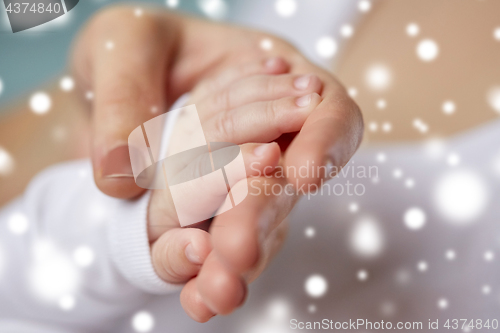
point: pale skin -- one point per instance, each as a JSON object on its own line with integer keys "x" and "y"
{"x": 175, "y": 55}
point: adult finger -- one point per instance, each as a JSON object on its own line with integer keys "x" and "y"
{"x": 221, "y": 289}
{"x": 330, "y": 135}
{"x": 128, "y": 88}
{"x": 193, "y": 303}
{"x": 258, "y": 159}
{"x": 238, "y": 235}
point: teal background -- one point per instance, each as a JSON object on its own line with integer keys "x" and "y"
{"x": 30, "y": 58}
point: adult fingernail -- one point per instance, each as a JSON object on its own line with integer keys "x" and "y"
{"x": 192, "y": 256}
{"x": 304, "y": 100}
{"x": 116, "y": 164}
{"x": 262, "y": 149}
{"x": 301, "y": 83}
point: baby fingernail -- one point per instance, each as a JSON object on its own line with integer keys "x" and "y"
{"x": 302, "y": 82}
{"x": 192, "y": 256}
{"x": 304, "y": 100}
{"x": 262, "y": 149}
{"x": 272, "y": 62}
{"x": 116, "y": 164}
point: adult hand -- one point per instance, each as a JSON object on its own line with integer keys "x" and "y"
{"x": 136, "y": 66}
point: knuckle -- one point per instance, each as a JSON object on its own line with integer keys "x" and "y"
{"x": 272, "y": 110}
{"x": 118, "y": 18}
{"x": 269, "y": 85}
{"x": 224, "y": 125}
{"x": 222, "y": 100}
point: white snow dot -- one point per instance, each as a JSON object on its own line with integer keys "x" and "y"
{"x": 461, "y": 196}
{"x": 89, "y": 95}
{"x": 143, "y": 321}
{"x": 59, "y": 133}
{"x": 18, "y": 223}
{"x": 138, "y": 12}
{"x": 278, "y": 309}
{"x": 453, "y": 159}
{"x": 6, "y": 162}
{"x": 215, "y": 9}
{"x": 316, "y": 286}
{"x": 450, "y": 255}
{"x": 1, "y": 86}
{"x": 53, "y": 275}
{"x": 40, "y": 102}
{"x": 381, "y": 157}
{"x": 285, "y": 8}
{"x": 434, "y": 148}
{"x": 67, "y": 302}
{"x": 311, "y": 308}
{"x": 415, "y": 218}
{"x": 353, "y": 207}
{"x": 366, "y": 238}
{"x": 494, "y": 98}
{"x": 362, "y": 275}
{"x": 310, "y": 232}
{"x": 381, "y": 103}
{"x": 364, "y": 5}
{"x": 496, "y": 33}
{"x": 386, "y": 127}
{"x": 346, "y": 30}
{"x": 489, "y": 256}
{"x": 266, "y": 44}
{"x": 443, "y": 303}
{"x": 449, "y": 107}
{"x": 172, "y": 3}
{"x": 110, "y": 45}
{"x": 409, "y": 183}
{"x": 378, "y": 77}
{"x": 353, "y": 92}
{"x": 388, "y": 308}
{"x": 83, "y": 256}
{"x": 67, "y": 83}
{"x": 403, "y": 276}
{"x": 326, "y": 47}
{"x": 427, "y": 50}
{"x": 373, "y": 126}
{"x": 422, "y": 266}
{"x": 397, "y": 173}
{"x": 486, "y": 289}
{"x": 412, "y": 29}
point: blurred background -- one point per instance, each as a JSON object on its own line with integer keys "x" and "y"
{"x": 422, "y": 242}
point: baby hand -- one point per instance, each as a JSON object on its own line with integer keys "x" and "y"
{"x": 249, "y": 106}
